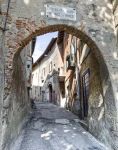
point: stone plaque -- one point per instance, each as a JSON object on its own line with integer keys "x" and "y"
{"x": 62, "y": 13}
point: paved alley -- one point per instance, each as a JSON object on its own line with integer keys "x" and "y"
{"x": 52, "y": 128}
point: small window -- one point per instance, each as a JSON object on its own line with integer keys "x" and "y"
{"x": 43, "y": 71}
{"x": 28, "y": 66}
{"x": 67, "y": 61}
{"x": 58, "y": 69}
{"x": 50, "y": 67}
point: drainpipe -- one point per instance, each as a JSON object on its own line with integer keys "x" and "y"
{"x": 4, "y": 28}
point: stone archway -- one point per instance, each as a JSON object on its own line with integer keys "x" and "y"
{"x": 110, "y": 115}
{"x": 98, "y": 33}
{"x": 52, "y": 28}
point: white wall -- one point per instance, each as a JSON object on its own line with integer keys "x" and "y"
{"x": 54, "y": 57}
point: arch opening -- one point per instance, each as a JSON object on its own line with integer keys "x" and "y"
{"x": 101, "y": 69}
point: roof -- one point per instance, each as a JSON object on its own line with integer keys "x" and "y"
{"x": 52, "y": 42}
{"x": 49, "y": 47}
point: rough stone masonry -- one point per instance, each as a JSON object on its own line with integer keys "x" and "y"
{"x": 21, "y": 20}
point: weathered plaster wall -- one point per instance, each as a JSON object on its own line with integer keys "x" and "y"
{"x": 70, "y": 78}
{"x": 115, "y": 12}
{"x": 1, "y": 80}
{"x": 2, "y": 64}
{"x": 19, "y": 105}
{"x": 96, "y": 113}
{"x": 27, "y": 19}
{"x": 52, "y": 61}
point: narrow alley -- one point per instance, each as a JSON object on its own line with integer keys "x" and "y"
{"x": 58, "y": 74}
{"x": 50, "y": 127}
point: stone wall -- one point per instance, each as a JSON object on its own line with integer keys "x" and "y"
{"x": 1, "y": 80}
{"x": 27, "y": 19}
{"x": 102, "y": 108}
{"x": 19, "y": 102}
{"x": 96, "y": 120}
{"x": 115, "y": 12}
{"x": 2, "y": 64}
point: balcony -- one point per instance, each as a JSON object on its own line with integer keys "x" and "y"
{"x": 70, "y": 62}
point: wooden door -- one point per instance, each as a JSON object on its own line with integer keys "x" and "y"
{"x": 85, "y": 91}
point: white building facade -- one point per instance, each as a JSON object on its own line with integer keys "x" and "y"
{"x": 48, "y": 73}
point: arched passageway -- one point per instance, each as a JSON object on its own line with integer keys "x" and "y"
{"x": 26, "y": 19}
{"x": 109, "y": 113}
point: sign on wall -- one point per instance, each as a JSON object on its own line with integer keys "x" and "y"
{"x": 62, "y": 13}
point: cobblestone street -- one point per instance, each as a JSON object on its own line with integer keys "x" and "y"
{"x": 52, "y": 128}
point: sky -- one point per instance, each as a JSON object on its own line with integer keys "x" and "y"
{"x": 42, "y": 43}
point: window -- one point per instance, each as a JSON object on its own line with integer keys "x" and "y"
{"x": 50, "y": 66}
{"x": 28, "y": 66}
{"x": 70, "y": 62}
{"x": 43, "y": 71}
{"x": 59, "y": 71}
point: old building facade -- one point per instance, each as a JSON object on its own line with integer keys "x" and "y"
{"x": 84, "y": 91}
{"x": 48, "y": 71}
{"x": 94, "y": 24}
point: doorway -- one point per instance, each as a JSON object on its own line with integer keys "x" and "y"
{"x": 50, "y": 93}
{"x": 85, "y": 92}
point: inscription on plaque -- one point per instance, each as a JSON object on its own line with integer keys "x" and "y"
{"x": 62, "y": 13}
